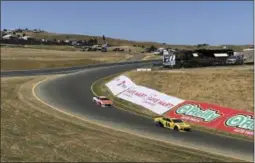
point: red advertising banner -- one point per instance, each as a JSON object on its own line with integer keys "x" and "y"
{"x": 214, "y": 116}
{"x": 240, "y": 122}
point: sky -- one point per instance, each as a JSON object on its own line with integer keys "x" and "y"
{"x": 172, "y": 22}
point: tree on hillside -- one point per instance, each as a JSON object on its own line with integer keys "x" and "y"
{"x": 93, "y": 41}
{"x": 90, "y": 42}
{"x": 202, "y": 45}
{"x": 19, "y": 30}
{"x": 24, "y": 34}
{"x": 152, "y": 48}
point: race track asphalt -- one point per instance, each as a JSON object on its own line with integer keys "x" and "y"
{"x": 66, "y": 70}
{"x": 72, "y": 93}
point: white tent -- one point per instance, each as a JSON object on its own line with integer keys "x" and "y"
{"x": 9, "y": 36}
{"x": 26, "y": 37}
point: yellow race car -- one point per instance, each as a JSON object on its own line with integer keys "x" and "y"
{"x": 172, "y": 123}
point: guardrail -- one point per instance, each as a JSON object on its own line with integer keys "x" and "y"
{"x": 69, "y": 69}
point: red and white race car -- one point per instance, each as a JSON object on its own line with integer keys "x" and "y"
{"x": 102, "y": 101}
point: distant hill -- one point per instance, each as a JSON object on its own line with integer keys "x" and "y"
{"x": 111, "y": 41}
{"x": 121, "y": 42}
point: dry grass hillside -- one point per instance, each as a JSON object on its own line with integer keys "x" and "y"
{"x": 120, "y": 42}
{"x": 231, "y": 87}
{"x": 26, "y": 58}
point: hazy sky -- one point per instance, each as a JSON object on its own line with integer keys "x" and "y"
{"x": 171, "y": 22}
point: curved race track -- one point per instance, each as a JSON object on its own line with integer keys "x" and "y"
{"x": 72, "y": 93}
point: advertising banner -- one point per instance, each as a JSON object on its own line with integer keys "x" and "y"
{"x": 214, "y": 116}
{"x": 238, "y": 122}
{"x": 119, "y": 84}
{"x": 150, "y": 99}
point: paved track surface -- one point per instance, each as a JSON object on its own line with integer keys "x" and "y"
{"x": 66, "y": 70}
{"x": 72, "y": 93}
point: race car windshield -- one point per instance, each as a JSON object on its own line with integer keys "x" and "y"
{"x": 177, "y": 121}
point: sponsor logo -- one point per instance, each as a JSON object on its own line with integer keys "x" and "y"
{"x": 122, "y": 84}
{"x": 195, "y": 111}
{"x": 241, "y": 121}
{"x": 153, "y": 99}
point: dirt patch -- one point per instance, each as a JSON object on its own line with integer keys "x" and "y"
{"x": 31, "y": 131}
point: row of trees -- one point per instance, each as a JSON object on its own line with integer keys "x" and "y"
{"x": 19, "y": 30}
{"x": 90, "y": 42}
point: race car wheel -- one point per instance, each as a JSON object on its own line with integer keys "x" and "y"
{"x": 176, "y": 128}
{"x": 188, "y": 130}
{"x": 159, "y": 124}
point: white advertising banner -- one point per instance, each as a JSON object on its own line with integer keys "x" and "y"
{"x": 119, "y": 84}
{"x": 135, "y": 94}
{"x": 150, "y": 99}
